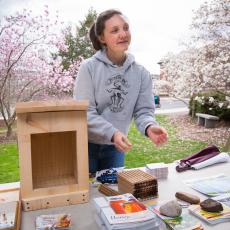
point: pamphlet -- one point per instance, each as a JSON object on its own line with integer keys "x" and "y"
{"x": 211, "y": 186}
{"x": 53, "y": 221}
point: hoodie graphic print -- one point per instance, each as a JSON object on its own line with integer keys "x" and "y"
{"x": 116, "y": 95}
{"x": 117, "y": 88}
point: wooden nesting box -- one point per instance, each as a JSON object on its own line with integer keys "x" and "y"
{"x": 53, "y": 153}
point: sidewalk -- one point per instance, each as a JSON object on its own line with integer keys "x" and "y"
{"x": 168, "y": 111}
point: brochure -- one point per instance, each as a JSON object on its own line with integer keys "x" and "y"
{"x": 53, "y": 222}
{"x": 211, "y": 186}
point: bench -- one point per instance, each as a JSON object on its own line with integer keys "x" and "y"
{"x": 207, "y": 120}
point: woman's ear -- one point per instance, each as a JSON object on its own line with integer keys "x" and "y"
{"x": 101, "y": 39}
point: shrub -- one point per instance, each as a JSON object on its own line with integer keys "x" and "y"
{"x": 213, "y": 103}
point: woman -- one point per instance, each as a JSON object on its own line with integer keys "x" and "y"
{"x": 118, "y": 89}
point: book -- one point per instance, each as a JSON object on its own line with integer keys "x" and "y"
{"x": 124, "y": 212}
{"x": 183, "y": 222}
{"x": 53, "y": 222}
{"x": 211, "y": 217}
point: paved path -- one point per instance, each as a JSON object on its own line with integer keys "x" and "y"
{"x": 168, "y": 111}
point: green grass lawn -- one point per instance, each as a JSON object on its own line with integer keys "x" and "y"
{"x": 142, "y": 152}
{"x": 9, "y": 168}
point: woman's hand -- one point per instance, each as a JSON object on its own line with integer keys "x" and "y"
{"x": 158, "y": 135}
{"x": 121, "y": 142}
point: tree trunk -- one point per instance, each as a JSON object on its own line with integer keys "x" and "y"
{"x": 193, "y": 109}
{"x": 9, "y": 131}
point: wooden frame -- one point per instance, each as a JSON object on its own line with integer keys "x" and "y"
{"x": 53, "y": 153}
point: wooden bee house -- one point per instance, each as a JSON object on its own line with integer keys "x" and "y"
{"x": 53, "y": 153}
{"x": 141, "y": 184}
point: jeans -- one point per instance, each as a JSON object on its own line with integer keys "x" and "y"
{"x": 104, "y": 157}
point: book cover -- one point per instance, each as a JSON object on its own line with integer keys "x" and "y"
{"x": 211, "y": 217}
{"x": 125, "y": 205}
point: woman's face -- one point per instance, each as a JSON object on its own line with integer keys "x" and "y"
{"x": 116, "y": 34}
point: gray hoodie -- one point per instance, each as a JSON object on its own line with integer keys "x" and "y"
{"x": 116, "y": 94}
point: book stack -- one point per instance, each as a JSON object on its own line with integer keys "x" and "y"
{"x": 124, "y": 212}
{"x": 53, "y": 222}
{"x": 159, "y": 170}
{"x": 211, "y": 217}
{"x": 141, "y": 184}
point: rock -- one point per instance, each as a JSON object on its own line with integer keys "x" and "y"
{"x": 211, "y": 205}
{"x": 190, "y": 198}
{"x": 171, "y": 209}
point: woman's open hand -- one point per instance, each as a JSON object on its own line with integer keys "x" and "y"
{"x": 158, "y": 135}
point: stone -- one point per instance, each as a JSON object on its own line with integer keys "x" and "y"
{"x": 211, "y": 205}
{"x": 171, "y": 209}
{"x": 190, "y": 198}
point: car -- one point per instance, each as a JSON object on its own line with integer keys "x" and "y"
{"x": 157, "y": 101}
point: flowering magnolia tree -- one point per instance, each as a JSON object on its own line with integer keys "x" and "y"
{"x": 205, "y": 63}
{"x": 27, "y": 71}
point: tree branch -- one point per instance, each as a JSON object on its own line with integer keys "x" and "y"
{"x": 11, "y": 66}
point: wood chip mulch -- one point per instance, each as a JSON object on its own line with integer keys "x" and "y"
{"x": 188, "y": 129}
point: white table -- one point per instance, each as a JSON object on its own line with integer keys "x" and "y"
{"x": 83, "y": 214}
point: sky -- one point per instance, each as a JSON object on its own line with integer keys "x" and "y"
{"x": 157, "y": 26}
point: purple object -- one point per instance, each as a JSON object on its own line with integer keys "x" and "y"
{"x": 198, "y": 157}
